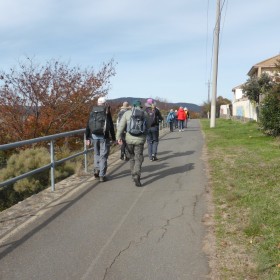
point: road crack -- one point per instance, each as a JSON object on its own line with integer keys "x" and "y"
{"x": 165, "y": 227}
{"x": 145, "y": 237}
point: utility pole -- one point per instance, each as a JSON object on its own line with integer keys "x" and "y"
{"x": 208, "y": 91}
{"x": 215, "y": 65}
{"x": 208, "y": 100}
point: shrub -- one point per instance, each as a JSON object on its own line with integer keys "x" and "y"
{"x": 25, "y": 161}
{"x": 270, "y": 112}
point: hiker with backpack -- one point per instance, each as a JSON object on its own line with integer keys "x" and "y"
{"x": 153, "y": 131}
{"x": 170, "y": 119}
{"x": 135, "y": 122}
{"x": 99, "y": 129}
{"x": 124, "y": 152}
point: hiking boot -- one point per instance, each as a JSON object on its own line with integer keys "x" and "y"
{"x": 122, "y": 157}
{"x": 154, "y": 158}
{"x": 137, "y": 182}
{"x": 102, "y": 179}
{"x": 126, "y": 158}
{"x": 96, "y": 173}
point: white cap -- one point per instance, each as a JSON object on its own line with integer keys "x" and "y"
{"x": 101, "y": 100}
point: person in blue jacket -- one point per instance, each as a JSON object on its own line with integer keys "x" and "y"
{"x": 170, "y": 119}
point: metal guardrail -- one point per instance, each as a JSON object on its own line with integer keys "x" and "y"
{"x": 53, "y": 162}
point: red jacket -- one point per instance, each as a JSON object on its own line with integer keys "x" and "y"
{"x": 181, "y": 115}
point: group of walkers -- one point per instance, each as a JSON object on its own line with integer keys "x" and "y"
{"x": 178, "y": 119}
{"x": 136, "y": 124}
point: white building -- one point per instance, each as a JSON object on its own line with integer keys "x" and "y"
{"x": 242, "y": 107}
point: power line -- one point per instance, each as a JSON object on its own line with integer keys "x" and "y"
{"x": 225, "y": 2}
{"x": 220, "y": 16}
{"x": 206, "y": 48}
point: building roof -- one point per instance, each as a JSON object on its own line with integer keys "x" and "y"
{"x": 268, "y": 63}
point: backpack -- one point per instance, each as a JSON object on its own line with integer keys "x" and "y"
{"x": 170, "y": 117}
{"x": 152, "y": 115}
{"x": 137, "y": 125}
{"x": 98, "y": 120}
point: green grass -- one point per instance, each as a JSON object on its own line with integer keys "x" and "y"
{"x": 245, "y": 178}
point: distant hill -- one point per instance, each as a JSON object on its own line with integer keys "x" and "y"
{"x": 192, "y": 107}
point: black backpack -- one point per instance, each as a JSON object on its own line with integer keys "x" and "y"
{"x": 154, "y": 115}
{"x": 137, "y": 124}
{"x": 98, "y": 120}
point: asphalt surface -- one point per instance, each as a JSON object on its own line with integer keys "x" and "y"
{"x": 115, "y": 230}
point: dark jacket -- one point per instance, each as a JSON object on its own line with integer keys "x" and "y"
{"x": 110, "y": 131}
{"x": 155, "y": 116}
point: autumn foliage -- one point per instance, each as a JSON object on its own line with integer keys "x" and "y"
{"x": 41, "y": 100}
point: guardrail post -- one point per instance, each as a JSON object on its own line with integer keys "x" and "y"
{"x": 85, "y": 151}
{"x": 52, "y": 165}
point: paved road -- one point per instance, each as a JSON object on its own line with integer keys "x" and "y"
{"x": 114, "y": 230}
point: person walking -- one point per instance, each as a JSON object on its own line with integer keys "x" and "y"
{"x": 181, "y": 115}
{"x": 135, "y": 137}
{"x": 99, "y": 129}
{"x": 123, "y": 109}
{"x": 176, "y": 119}
{"x": 170, "y": 119}
{"x": 153, "y": 132}
{"x": 187, "y": 117}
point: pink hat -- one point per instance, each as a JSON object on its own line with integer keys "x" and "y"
{"x": 149, "y": 102}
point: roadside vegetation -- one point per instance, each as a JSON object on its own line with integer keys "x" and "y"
{"x": 264, "y": 91}
{"x": 28, "y": 160}
{"x": 245, "y": 181}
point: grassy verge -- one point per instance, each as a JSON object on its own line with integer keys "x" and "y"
{"x": 245, "y": 178}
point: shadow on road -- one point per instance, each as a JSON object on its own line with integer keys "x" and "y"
{"x": 167, "y": 172}
{"x": 171, "y": 154}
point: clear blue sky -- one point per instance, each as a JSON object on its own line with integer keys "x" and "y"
{"x": 162, "y": 48}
